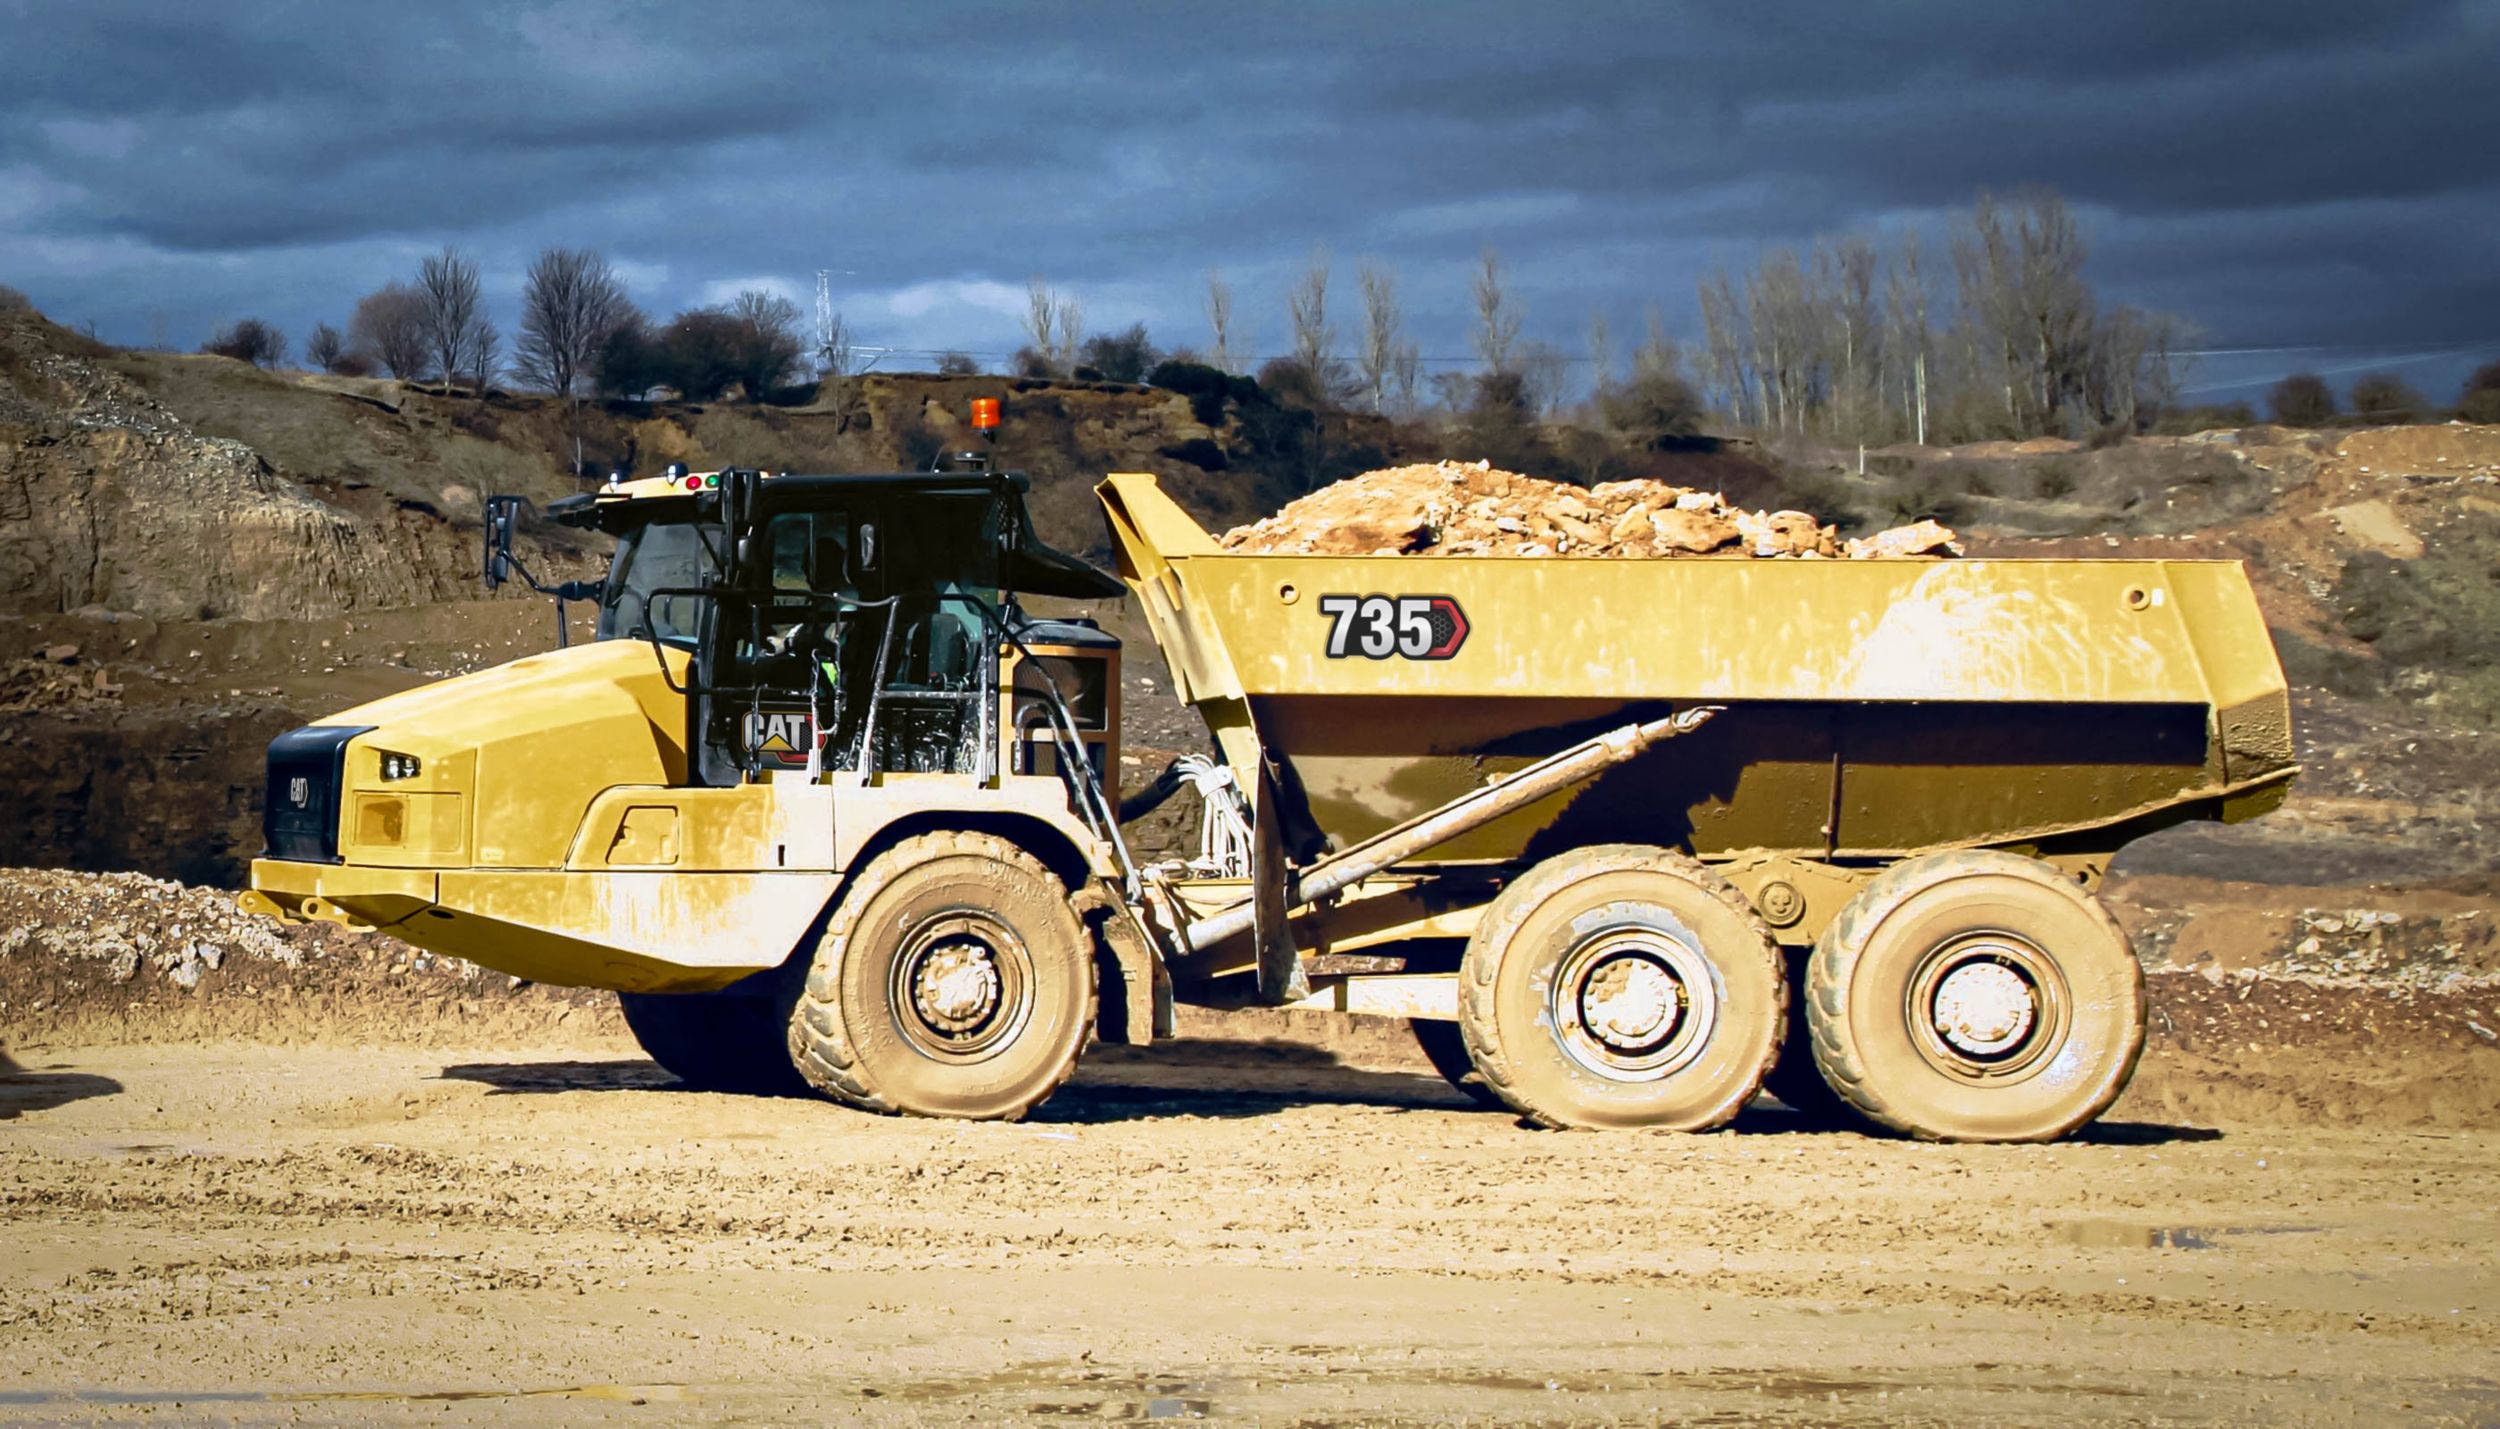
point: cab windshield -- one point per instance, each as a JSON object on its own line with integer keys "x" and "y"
{"x": 660, "y": 557}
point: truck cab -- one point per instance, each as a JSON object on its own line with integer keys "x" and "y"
{"x": 797, "y": 679}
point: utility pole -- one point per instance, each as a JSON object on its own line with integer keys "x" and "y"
{"x": 824, "y": 316}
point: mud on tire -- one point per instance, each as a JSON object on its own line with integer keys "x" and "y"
{"x": 1622, "y": 985}
{"x": 1976, "y": 996}
{"x": 953, "y": 979}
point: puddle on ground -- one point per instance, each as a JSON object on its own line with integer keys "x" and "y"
{"x": 2130, "y": 1235}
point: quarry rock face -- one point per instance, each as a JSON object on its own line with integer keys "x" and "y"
{"x": 108, "y": 498}
{"x": 1474, "y": 509}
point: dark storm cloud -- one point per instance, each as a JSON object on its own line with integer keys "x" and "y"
{"x": 2278, "y": 173}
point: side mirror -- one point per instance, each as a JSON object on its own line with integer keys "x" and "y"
{"x": 502, "y": 513}
{"x": 865, "y": 550}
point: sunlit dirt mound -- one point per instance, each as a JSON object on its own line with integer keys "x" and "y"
{"x": 1474, "y": 509}
{"x": 120, "y": 957}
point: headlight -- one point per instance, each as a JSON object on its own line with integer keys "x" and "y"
{"x": 399, "y": 766}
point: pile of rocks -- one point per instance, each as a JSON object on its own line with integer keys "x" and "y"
{"x": 54, "y": 681}
{"x": 1474, "y": 509}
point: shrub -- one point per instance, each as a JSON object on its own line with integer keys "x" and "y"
{"x": 250, "y": 340}
{"x": 703, "y": 354}
{"x": 1935, "y": 491}
{"x": 2183, "y": 421}
{"x": 1200, "y": 453}
{"x": 958, "y": 364}
{"x": 1118, "y": 356}
{"x": 2385, "y": 397}
{"x": 2052, "y": 481}
{"x": 2301, "y": 400}
{"x": 1207, "y": 388}
{"x": 13, "y": 301}
{"x": 630, "y": 361}
{"x": 1652, "y": 411}
{"x": 2481, "y": 399}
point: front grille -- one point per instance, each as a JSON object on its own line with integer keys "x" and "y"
{"x": 299, "y": 814}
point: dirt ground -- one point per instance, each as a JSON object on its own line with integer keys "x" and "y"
{"x": 1249, "y": 1231}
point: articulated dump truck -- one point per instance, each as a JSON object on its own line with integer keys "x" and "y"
{"x": 1626, "y": 841}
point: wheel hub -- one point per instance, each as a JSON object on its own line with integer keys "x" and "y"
{"x": 1984, "y": 1009}
{"x": 956, "y": 987}
{"x": 1630, "y": 1003}
{"x": 1634, "y": 1000}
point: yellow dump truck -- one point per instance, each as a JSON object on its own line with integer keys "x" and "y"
{"x": 1625, "y": 840}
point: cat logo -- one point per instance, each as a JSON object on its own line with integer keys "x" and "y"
{"x": 299, "y": 792}
{"x": 783, "y": 737}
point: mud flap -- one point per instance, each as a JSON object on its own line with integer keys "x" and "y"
{"x": 1281, "y": 979}
{"x": 1143, "y": 1010}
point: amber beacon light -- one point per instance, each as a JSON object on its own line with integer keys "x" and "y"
{"x": 985, "y": 414}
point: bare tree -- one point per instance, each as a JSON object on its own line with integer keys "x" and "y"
{"x": 1909, "y": 342}
{"x": 1844, "y": 285}
{"x": 1543, "y": 373}
{"x": 481, "y": 352}
{"x": 840, "y": 372}
{"x": 1377, "y": 359}
{"x": 1041, "y": 317}
{"x": 325, "y": 349}
{"x": 1071, "y": 321}
{"x": 767, "y": 345}
{"x": 1497, "y": 316}
{"x": 1723, "y": 348}
{"x": 389, "y": 325}
{"x": 1601, "y": 354}
{"x": 570, "y": 302}
{"x": 2020, "y": 266}
{"x": 1220, "y": 318}
{"x": 447, "y": 293}
{"x": 1405, "y": 376}
{"x": 1306, "y": 307}
{"x": 1056, "y": 325}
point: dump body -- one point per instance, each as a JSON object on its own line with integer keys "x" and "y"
{"x": 1874, "y": 708}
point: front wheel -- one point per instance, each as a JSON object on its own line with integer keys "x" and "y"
{"x": 1621, "y": 985}
{"x": 953, "y": 980}
{"x": 1976, "y": 996}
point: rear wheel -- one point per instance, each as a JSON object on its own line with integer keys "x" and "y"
{"x": 1976, "y": 996}
{"x": 715, "y": 1042}
{"x": 1445, "y": 1047}
{"x": 1622, "y": 985}
{"x": 952, "y": 980}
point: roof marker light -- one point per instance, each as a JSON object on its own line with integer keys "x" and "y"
{"x": 985, "y": 414}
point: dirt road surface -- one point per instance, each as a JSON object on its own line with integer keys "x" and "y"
{"x": 557, "y": 1232}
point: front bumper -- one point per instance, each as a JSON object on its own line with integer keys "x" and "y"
{"x": 349, "y": 894}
